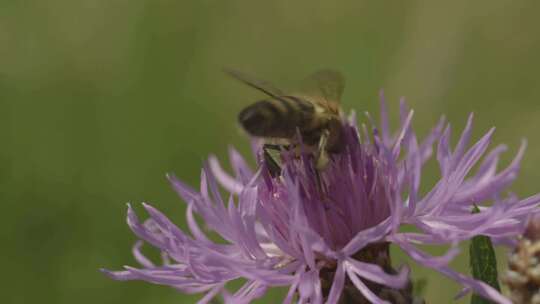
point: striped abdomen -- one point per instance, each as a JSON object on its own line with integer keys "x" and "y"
{"x": 277, "y": 117}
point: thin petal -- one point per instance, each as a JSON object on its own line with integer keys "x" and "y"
{"x": 367, "y": 236}
{"x": 385, "y": 121}
{"x": 431, "y": 261}
{"x": 337, "y": 285}
{"x": 292, "y": 290}
{"x": 210, "y": 295}
{"x": 238, "y": 163}
{"x": 228, "y": 182}
{"x": 140, "y": 257}
{"x": 463, "y": 140}
{"x": 480, "y": 288}
{"x": 187, "y": 193}
{"x": 370, "y": 296}
{"x": 376, "y": 274}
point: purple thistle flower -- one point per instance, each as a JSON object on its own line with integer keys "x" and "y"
{"x": 325, "y": 235}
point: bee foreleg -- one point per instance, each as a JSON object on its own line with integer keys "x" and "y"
{"x": 271, "y": 160}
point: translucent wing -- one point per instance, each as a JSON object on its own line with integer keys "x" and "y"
{"x": 326, "y": 83}
{"x": 258, "y": 84}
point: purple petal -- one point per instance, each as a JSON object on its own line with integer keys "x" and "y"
{"x": 426, "y": 147}
{"x": 228, "y": 182}
{"x": 184, "y": 191}
{"x": 463, "y": 140}
{"x": 241, "y": 168}
{"x": 363, "y": 288}
{"x": 443, "y": 151}
{"x": 194, "y": 227}
{"x": 417, "y": 255}
{"x": 376, "y": 274}
{"x": 210, "y": 295}
{"x": 367, "y": 236}
{"x": 401, "y": 136}
{"x": 119, "y": 275}
{"x": 294, "y": 285}
{"x": 337, "y": 285}
{"x": 309, "y": 287}
{"x": 486, "y": 186}
{"x": 140, "y": 257}
{"x": 247, "y": 293}
{"x": 480, "y": 288}
{"x": 385, "y": 121}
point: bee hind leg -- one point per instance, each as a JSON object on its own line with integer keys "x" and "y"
{"x": 321, "y": 156}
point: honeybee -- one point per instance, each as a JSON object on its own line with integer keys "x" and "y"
{"x": 314, "y": 113}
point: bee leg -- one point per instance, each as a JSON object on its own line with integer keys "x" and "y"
{"x": 320, "y": 189}
{"x": 272, "y": 161}
{"x": 321, "y": 160}
{"x": 321, "y": 156}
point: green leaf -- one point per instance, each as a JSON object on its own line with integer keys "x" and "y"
{"x": 483, "y": 263}
{"x": 215, "y": 301}
{"x": 419, "y": 287}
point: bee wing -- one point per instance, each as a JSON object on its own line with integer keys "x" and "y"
{"x": 326, "y": 83}
{"x": 261, "y": 85}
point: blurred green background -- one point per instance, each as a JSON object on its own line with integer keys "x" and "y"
{"x": 99, "y": 99}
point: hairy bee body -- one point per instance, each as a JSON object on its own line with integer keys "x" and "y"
{"x": 276, "y": 118}
{"x": 282, "y": 116}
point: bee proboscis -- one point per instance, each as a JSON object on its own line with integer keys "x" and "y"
{"x": 314, "y": 113}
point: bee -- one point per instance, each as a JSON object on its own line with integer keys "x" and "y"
{"x": 314, "y": 113}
